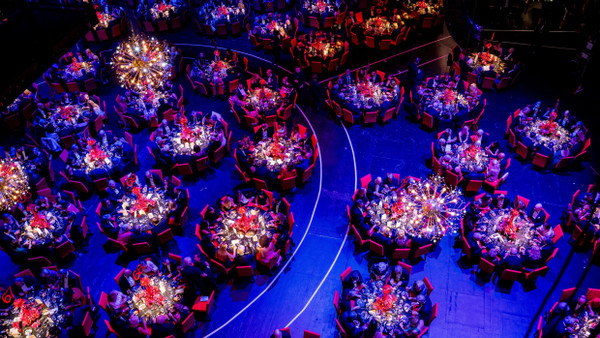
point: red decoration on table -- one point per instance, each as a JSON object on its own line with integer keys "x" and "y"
{"x": 150, "y": 293}
{"x": 385, "y": 302}
{"x": 548, "y": 127}
{"x": 142, "y": 203}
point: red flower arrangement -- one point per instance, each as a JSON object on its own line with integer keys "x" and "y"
{"x": 67, "y": 113}
{"x": 510, "y": 229}
{"x": 385, "y": 302}
{"x": 150, "y": 293}
{"x": 38, "y": 221}
{"x": 486, "y": 58}
{"x": 142, "y": 203}
{"x": 29, "y": 315}
{"x": 548, "y": 127}
{"x": 449, "y": 96}
{"x": 246, "y": 223}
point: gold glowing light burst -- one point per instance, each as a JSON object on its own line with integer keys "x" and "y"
{"x": 437, "y": 206}
{"x": 13, "y": 184}
{"x": 141, "y": 62}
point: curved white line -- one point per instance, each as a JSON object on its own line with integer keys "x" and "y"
{"x": 233, "y": 50}
{"x": 343, "y": 241}
{"x": 282, "y": 269}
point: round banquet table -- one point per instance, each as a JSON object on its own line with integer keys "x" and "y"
{"x": 448, "y": 106}
{"x": 220, "y": 14}
{"x": 484, "y": 60}
{"x": 187, "y": 138}
{"x": 98, "y": 156}
{"x": 507, "y": 228}
{"x": 356, "y": 96}
{"x": 142, "y": 209}
{"x": 40, "y": 314}
{"x": 40, "y": 228}
{"x": 245, "y": 225}
{"x": 279, "y": 152}
{"x": 398, "y": 210}
{"x": 388, "y": 305}
{"x": 324, "y": 51}
{"x": 154, "y": 296}
{"x": 265, "y": 101}
{"x": 468, "y": 155}
{"x": 66, "y": 118}
{"x": 548, "y": 133}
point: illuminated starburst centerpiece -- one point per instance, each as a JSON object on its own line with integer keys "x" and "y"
{"x": 142, "y": 63}
{"x": 13, "y": 184}
{"x": 436, "y": 206}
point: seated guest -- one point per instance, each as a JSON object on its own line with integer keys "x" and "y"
{"x": 152, "y": 180}
{"x": 22, "y": 285}
{"x": 126, "y": 282}
{"x": 163, "y": 327}
{"x": 537, "y": 214}
{"x": 117, "y": 303}
{"x": 351, "y": 324}
{"x": 168, "y": 266}
{"x": 512, "y": 260}
{"x": 224, "y": 256}
{"x": 266, "y": 251}
{"x": 243, "y": 259}
{"x": 136, "y": 329}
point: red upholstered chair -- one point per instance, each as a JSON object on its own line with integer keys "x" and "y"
{"x": 592, "y": 293}
{"x": 422, "y": 251}
{"x": 260, "y": 184}
{"x": 428, "y": 285}
{"x": 365, "y": 180}
{"x": 531, "y": 276}
{"x": 142, "y": 248}
{"x": 87, "y": 324}
{"x": 347, "y": 116}
{"x": 65, "y": 249}
{"x": 110, "y": 329}
{"x": 316, "y": 67}
{"x": 401, "y": 253}
{"x": 24, "y": 273}
{"x": 510, "y": 275}
{"x": 39, "y": 262}
{"x": 427, "y": 120}
{"x": 524, "y": 200}
{"x": 340, "y": 328}
{"x": 563, "y": 163}
{"x": 473, "y": 186}
{"x": 345, "y": 274}
{"x": 566, "y": 294}
{"x": 310, "y": 334}
{"x": 522, "y": 151}
{"x": 540, "y": 161}
{"x": 359, "y": 241}
{"x": 488, "y": 83}
{"x": 452, "y": 178}
{"x": 370, "y": 117}
{"x": 336, "y": 302}
{"x": 188, "y": 323}
{"x": 434, "y": 313}
{"x": 406, "y": 267}
{"x": 204, "y": 307}
{"x": 486, "y": 266}
{"x": 376, "y": 248}
{"x": 370, "y": 41}
{"x": 244, "y": 272}
{"x": 165, "y": 236}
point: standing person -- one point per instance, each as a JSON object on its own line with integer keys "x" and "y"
{"x": 316, "y": 90}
